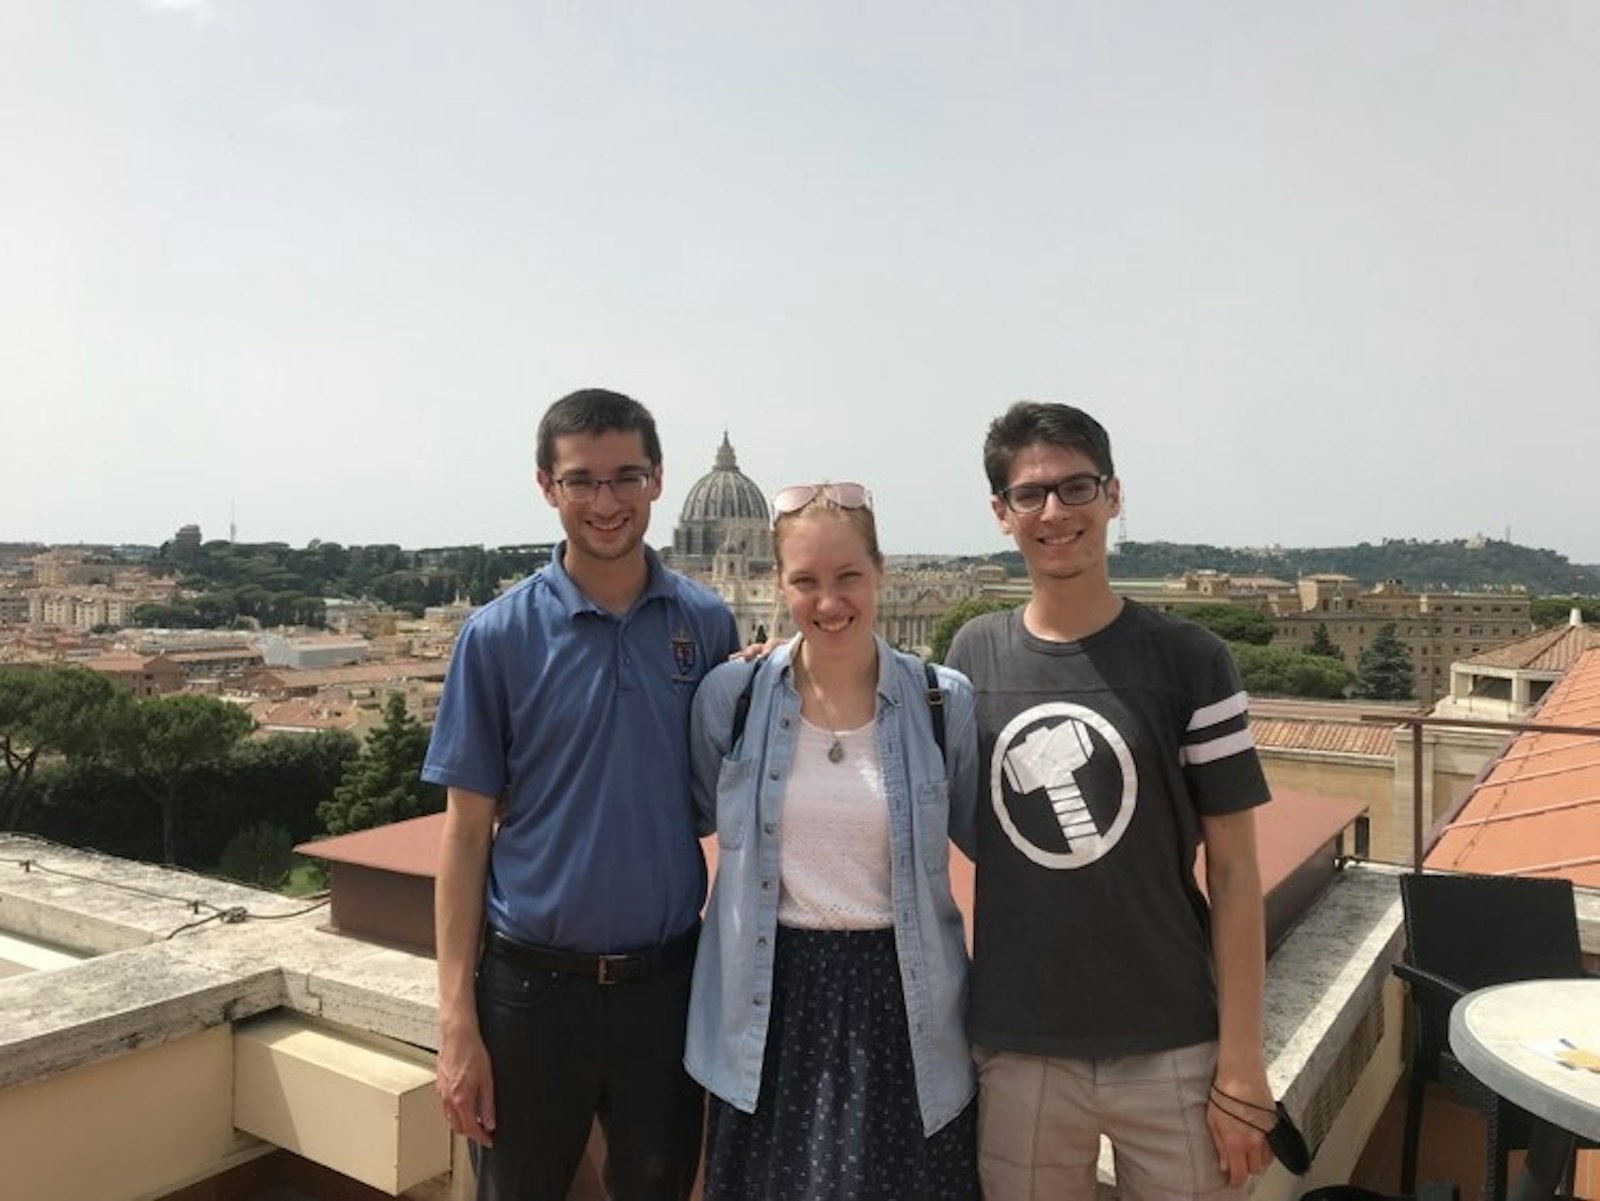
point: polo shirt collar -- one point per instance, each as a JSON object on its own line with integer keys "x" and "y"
{"x": 658, "y": 584}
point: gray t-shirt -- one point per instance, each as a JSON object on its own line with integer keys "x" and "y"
{"x": 1099, "y": 758}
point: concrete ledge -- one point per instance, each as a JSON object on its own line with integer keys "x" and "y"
{"x": 108, "y": 1006}
{"x": 154, "y": 981}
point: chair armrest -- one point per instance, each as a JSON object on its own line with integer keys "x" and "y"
{"x": 1436, "y": 988}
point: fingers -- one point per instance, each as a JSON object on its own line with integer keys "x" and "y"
{"x": 1242, "y": 1149}
{"x": 466, "y": 1093}
{"x": 755, "y": 650}
{"x": 486, "y": 1112}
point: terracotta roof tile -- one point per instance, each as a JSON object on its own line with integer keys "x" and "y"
{"x": 302, "y": 715}
{"x": 361, "y": 673}
{"x": 1537, "y": 810}
{"x": 1543, "y": 650}
{"x": 1336, "y": 737}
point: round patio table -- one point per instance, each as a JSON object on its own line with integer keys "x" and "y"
{"x": 1513, "y": 1037}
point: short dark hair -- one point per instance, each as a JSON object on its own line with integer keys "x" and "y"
{"x": 595, "y": 411}
{"x": 1031, "y": 421}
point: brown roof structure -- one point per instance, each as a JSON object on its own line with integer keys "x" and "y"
{"x": 361, "y": 673}
{"x": 1544, "y": 650}
{"x": 1536, "y": 812}
{"x": 303, "y": 714}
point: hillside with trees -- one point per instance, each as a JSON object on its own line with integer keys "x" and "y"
{"x": 272, "y": 583}
{"x": 1422, "y": 565}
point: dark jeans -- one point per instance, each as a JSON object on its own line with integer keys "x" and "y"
{"x": 566, "y": 1050}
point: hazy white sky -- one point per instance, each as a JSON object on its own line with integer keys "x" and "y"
{"x": 1329, "y": 273}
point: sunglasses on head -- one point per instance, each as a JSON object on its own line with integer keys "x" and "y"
{"x": 797, "y": 496}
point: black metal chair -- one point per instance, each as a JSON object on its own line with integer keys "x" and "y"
{"x": 1464, "y": 933}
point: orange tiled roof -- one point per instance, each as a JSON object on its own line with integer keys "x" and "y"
{"x": 1537, "y": 811}
{"x": 302, "y": 715}
{"x": 116, "y": 663}
{"x": 1545, "y": 650}
{"x": 1340, "y": 737}
{"x": 361, "y": 673}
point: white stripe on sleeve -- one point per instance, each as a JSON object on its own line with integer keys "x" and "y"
{"x": 1216, "y": 748}
{"x": 1210, "y": 715}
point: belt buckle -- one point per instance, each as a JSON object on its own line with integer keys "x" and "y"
{"x": 613, "y": 969}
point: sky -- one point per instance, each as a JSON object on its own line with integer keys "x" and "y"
{"x": 1328, "y": 273}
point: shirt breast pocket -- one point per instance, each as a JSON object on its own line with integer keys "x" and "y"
{"x": 736, "y": 802}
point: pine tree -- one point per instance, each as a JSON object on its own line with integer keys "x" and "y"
{"x": 1322, "y": 644}
{"x": 1383, "y": 672}
{"x": 383, "y": 785}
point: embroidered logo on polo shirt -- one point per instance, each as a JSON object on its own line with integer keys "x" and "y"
{"x": 1063, "y": 784}
{"x": 685, "y": 655}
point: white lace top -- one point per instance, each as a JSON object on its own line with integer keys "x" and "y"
{"x": 834, "y": 838}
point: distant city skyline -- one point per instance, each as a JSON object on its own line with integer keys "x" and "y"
{"x": 661, "y": 540}
{"x": 1329, "y": 275}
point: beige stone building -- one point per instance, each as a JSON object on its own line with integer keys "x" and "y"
{"x": 1506, "y": 683}
{"x": 142, "y": 675}
{"x": 1438, "y": 628}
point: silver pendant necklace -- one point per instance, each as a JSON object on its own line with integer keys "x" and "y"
{"x": 835, "y": 747}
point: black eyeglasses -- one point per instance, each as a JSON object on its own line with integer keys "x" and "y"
{"x": 625, "y": 485}
{"x": 1075, "y": 490}
{"x": 797, "y": 496}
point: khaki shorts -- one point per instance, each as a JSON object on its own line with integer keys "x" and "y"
{"x": 1040, "y": 1122}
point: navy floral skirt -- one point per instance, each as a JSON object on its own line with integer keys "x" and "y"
{"x": 837, "y": 1118}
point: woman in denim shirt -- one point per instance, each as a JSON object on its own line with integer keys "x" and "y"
{"x": 826, "y": 1018}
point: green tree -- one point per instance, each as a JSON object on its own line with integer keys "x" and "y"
{"x": 1233, "y": 623}
{"x": 52, "y": 711}
{"x": 383, "y": 784}
{"x": 1322, "y": 644}
{"x": 261, "y": 854}
{"x": 1383, "y": 672}
{"x": 1547, "y": 611}
{"x": 944, "y": 630}
{"x": 279, "y": 780}
{"x": 1279, "y": 671}
{"x": 168, "y": 737}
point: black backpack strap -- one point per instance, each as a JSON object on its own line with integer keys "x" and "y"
{"x": 935, "y": 706}
{"x": 741, "y": 707}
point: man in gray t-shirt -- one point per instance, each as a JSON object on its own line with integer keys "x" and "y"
{"x": 1108, "y": 997}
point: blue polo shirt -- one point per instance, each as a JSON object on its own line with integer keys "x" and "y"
{"x": 578, "y": 720}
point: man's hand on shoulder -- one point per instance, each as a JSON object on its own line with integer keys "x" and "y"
{"x": 756, "y": 650}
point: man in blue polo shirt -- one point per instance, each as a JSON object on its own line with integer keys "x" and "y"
{"x": 566, "y": 933}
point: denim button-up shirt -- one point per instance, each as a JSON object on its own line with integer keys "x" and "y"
{"x": 739, "y": 793}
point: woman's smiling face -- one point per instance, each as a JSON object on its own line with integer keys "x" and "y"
{"x": 829, "y": 579}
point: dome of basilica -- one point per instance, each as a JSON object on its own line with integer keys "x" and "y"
{"x": 724, "y": 492}
{"x": 724, "y": 511}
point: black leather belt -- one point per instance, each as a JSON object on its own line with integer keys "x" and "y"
{"x": 602, "y": 969}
